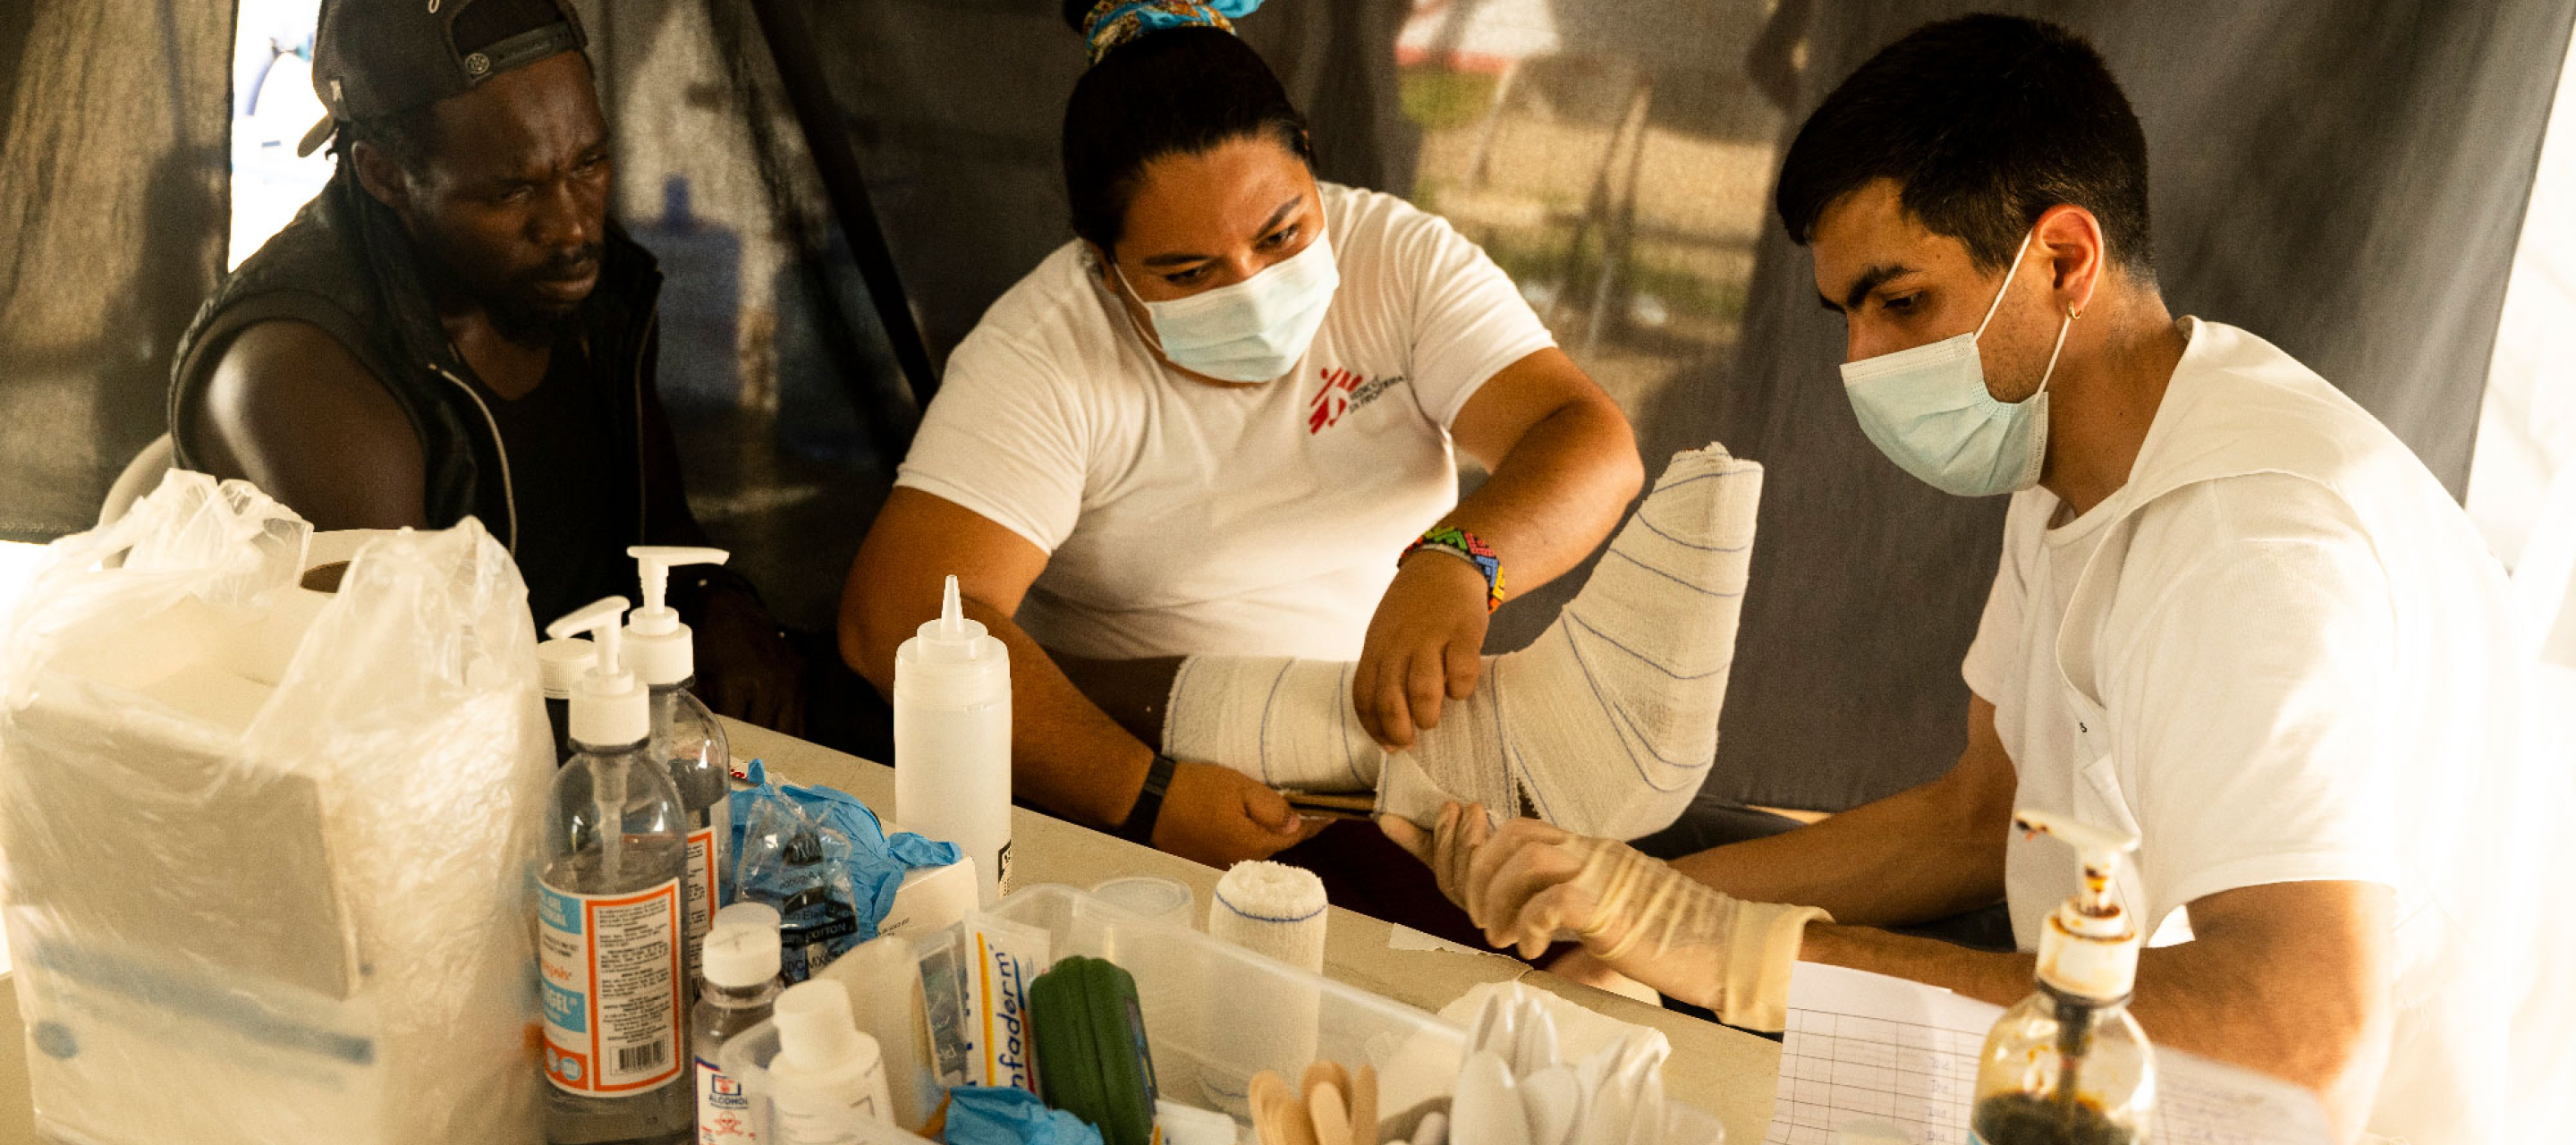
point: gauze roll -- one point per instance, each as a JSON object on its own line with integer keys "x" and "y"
{"x": 1280, "y": 911}
{"x": 1273, "y": 909}
{"x": 1606, "y": 725}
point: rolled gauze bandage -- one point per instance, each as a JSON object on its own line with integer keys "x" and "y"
{"x": 1277, "y": 910}
{"x": 1274, "y": 909}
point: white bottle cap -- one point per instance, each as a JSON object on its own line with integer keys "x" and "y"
{"x": 659, "y": 643}
{"x": 742, "y": 946}
{"x": 560, "y": 663}
{"x": 2089, "y": 945}
{"x": 609, "y": 709}
{"x": 952, "y": 662}
{"x": 815, "y": 1029}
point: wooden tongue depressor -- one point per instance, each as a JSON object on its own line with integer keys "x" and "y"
{"x": 1325, "y": 1085}
{"x": 1364, "y": 1106}
{"x": 1332, "y": 1116}
{"x": 1267, "y": 1089}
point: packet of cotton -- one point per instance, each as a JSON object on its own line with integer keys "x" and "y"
{"x": 267, "y": 843}
{"x": 823, "y": 860}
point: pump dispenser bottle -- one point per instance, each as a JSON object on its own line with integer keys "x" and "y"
{"x": 560, "y": 664}
{"x": 686, "y": 735}
{"x": 952, "y": 740}
{"x": 741, "y": 988}
{"x": 608, "y": 916}
{"x": 2068, "y": 1065}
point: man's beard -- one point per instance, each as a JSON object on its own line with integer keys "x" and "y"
{"x": 518, "y": 314}
{"x": 532, "y": 324}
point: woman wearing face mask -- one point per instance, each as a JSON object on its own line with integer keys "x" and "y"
{"x": 1223, "y": 420}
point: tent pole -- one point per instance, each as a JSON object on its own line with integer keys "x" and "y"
{"x": 791, "y": 45}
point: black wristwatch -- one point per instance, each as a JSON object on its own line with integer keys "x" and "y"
{"x": 1139, "y": 827}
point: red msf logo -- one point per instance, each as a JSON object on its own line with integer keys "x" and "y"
{"x": 1332, "y": 401}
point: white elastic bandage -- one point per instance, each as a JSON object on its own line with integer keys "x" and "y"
{"x": 1605, "y": 725}
{"x": 1280, "y": 911}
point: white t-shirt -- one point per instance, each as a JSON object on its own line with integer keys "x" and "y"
{"x": 2281, "y": 653}
{"x": 1182, "y": 517}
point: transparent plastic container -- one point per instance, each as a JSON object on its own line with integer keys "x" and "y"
{"x": 1199, "y": 997}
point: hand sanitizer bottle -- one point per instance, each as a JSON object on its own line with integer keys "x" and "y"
{"x": 741, "y": 987}
{"x": 608, "y": 916}
{"x": 686, "y": 735}
{"x": 2068, "y": 1065}
{"x": 560, "y": 664}
{"x": 952, "y": 740}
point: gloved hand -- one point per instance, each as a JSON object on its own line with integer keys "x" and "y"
{"x": 1530, "y": 884}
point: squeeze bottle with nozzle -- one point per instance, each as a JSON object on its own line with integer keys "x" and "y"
{"x": 952, "y": 740}
{"x": 686, "y": 736}
{"x": 2068, "y": 1065}
{"x": 608, "y": 915}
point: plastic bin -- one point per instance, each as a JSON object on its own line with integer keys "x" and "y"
{"x": 1217, "y": 1014}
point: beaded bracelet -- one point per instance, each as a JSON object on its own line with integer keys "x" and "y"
{"x": 1467, "y": 547}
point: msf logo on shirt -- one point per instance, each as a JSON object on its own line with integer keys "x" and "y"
{"x": 1342, "y": 392}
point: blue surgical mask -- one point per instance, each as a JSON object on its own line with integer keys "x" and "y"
{"x": 1928, "y": 409}
{"x": 1253, "y": 330}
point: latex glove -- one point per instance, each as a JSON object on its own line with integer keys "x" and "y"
{"x": 1425, "y": 646}
{"x": 1220, "y": 816}
{"x": 1531, "y": 884}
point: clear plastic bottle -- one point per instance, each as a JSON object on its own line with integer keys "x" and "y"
{"x": 686, "y": 734}
{"x": 741, "y": 987}
{"x": 2068, "y": 1065}
{"x": 608, "y": 929}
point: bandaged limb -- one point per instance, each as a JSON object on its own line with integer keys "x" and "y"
{"x": 1605, "y": 725}
{"x": 1530, "y": 884}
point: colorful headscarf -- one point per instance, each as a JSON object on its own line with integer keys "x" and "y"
{"x": 1114, "y": 22}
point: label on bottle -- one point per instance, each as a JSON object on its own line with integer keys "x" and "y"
{"x": 698, "y": 904}
{"x": 820, "y": 1119}
{"x": 609, "y": 968}
{"x": 1002, "y": 865}
{"x": 724, "y": 1110}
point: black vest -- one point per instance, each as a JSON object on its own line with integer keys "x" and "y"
{"x": 346, "y": 265}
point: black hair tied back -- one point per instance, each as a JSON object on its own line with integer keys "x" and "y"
{"x": 1176, "y": 91}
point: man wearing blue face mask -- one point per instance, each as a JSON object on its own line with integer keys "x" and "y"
{"x": 2234, "y": 617}
{"x": 1224, "y": 419}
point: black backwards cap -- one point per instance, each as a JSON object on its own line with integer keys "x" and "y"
{"x": 383, "y": 57}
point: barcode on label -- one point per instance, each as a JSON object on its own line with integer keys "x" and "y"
{"x": 643, "y": 1057}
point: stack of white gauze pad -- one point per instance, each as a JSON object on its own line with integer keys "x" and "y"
{"x": 267, "y": 848}
{"x": 1604, "y": 726}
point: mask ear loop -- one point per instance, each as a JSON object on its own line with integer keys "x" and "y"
{"x": 1142, "y": 334}
{"x": 2062, "y": 329}
{"x": 2009, "y": 271}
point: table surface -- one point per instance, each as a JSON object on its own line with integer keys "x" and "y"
{"x": 1727, "y": 1072}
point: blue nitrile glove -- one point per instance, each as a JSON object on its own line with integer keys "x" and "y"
{"x": 1009, "y": 1115}
{"x": 877, "y": 863}
{"x": 866, "y": 866}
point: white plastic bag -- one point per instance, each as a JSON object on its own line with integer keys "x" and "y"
{"x": 267, "y": 849}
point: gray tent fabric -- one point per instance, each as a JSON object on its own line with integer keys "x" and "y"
{"x": 113, "y": 207}
{"x": 2345, "y": 180}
